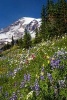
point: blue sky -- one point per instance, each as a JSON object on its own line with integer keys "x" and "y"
{"x": 12, "y": 10}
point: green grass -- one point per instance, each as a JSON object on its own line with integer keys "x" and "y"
{"x": 31, "y": 62}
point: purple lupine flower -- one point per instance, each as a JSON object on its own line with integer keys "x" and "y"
{"x": 22, "y": 84}
{"x": 55, "y": 63}
{"x": 42, "y": 70}
{"x": 28, "y": 77}
{"x": 42, "y": 77}
{"x": 36, "y": 85}
{"x": 42, "y": 74}
{"x": 14, "y": 96}
{"x": 49, "y": 76}
{"x": 25, "y": 77}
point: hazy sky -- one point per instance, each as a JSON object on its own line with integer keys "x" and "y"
{"x": 12, "y": 10}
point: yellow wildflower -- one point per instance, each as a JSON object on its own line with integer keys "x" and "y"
{"x": 42, "y": 73}
{"x": 37, "y": 76}
{"x": 48, "y": 61}
{"x": 47, "y": 57}
{"x": 43, "y": 65}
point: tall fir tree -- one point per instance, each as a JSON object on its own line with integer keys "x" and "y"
{"x": 43, "y": 21}
{"x": 50, "y": 22}
{"x": 61, "y": 17}
{"x": 54, "y": 19}
{"x": 27, "y": 40}
{"x": 20, "y": 42}
{"x": 12, "y": 43}
{"x": 37, "y": 38}
{"x": 50, "y": 6}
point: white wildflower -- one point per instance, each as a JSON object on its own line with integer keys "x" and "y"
{"x": 29, "y": 95}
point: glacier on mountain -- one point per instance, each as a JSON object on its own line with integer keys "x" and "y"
{"x": 17, "y": 29}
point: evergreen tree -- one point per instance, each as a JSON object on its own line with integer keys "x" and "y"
{"x": 61, "y": 17}
{"x": 50, "y": 8}
{"x": 6, "y": 46}
{"x": 50, "y": 22}
{"x": 37, "y": 38}
{"x": 43, "y": 21}
{"x": 12, "y": 43}
{"x": 54, "y": 19}
{"x": 20, "y": 42}
{"x": 27, "y": 40}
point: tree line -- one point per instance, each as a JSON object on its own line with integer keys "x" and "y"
{"x": 23, "y": 42}
{"x": 54, "y": 19}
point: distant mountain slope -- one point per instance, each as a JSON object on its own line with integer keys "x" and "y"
{"x": 17, "y": 29}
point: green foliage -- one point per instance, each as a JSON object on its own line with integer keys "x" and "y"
{"x": 42, "y": 28}
{"x": 6, "y": 46}
{"x": 20, "y": 43}
{"x": 27, "y": 40}
{"x": 12, "y": 43}
{"x": 37, "y": 37}
{"x": 54, "y": 19}
{"x": 61, "y": 17}
{"x": 35, "y": 61}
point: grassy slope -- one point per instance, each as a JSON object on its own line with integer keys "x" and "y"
{"x": 31, "y": 62}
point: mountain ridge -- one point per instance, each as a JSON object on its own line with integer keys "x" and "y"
{"x": 18, "y": 27}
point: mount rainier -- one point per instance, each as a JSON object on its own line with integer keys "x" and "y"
{"x": 17, "y": 29}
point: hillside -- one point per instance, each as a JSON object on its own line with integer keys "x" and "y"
{"x": 39, "y": 73}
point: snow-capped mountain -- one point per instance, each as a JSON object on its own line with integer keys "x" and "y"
{"x": 17, "y": 29}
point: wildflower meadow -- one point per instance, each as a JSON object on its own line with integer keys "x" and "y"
{"x": 37, "y": 73}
